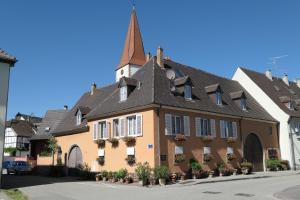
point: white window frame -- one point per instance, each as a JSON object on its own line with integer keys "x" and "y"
{"x": 174, "y": 125}
{"x": 229, "y": 129}
{"x": 243, "y": 104}
{"x": 97, "y": 134}
{"x": 123, "y": 93}
{"x": 132, "y": 129}
{"x": 188, "y": 91}
{"x": 219, "y": 98}
{"x": 78, "y": 118}
{"x": 118, "y": 128}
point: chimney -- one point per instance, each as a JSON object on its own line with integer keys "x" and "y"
{"x": 269, "y": 74}
{"x": 93, "y": 88}
{"x": 65, "y": 107}
{"x": 285, "y": 79}
{"x": 298, "y": 82}
{"x": 160, "y": 57}
{"x": 148, "y": 56}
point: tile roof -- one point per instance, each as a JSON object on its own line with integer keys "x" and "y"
{"x": 21, "y": 127}
{"x": 155, "y": 88}
{"x": 133, "y": 52}
{"x": 5, "y": 57}
{"x": 277, "y": 90}
{"x": 50, "y": 121}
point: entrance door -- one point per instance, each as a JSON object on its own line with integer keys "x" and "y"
{"x": 253, "y": 152}
{"x": 75, "y": 157}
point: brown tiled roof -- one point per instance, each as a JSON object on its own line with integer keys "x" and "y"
{"x": 155, "y": 90}
{"x": 212, "y": 88}
{"x": 21, "y": 127}
{"x": 277, "y": 90}
{"x": 237, "y": 95}
{"x": 5, "y": 57}
{"x": 133, "y": 52}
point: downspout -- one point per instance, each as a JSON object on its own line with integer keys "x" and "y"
{"x": 158, "y": 134}
{"x": 292, "y": 143}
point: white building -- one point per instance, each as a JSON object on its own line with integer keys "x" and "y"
{"x": 6, "y": 62}
{"x": 281, "y": 98}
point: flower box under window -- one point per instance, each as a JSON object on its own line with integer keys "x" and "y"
{"x": 207, "y": 157}
{"x": 231, "y": 139}
{"x": 207, "y": 138}
{"x": 230, "y": 156}
{"x": 179, "y": 158}
{"x": 130, "y": 141}
{"x": 101, "y": 160}
{"x": 130, "y": 159}
{"x": 180, "y": 137}
{"x": 100, "y": 142}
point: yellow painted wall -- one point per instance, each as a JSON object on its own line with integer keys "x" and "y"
{"x": 114, "y": 156}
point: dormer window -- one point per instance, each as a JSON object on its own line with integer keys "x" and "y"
{"x": 123, "y": 93}
{"x": 291, "y": 105}
{"x": 78, "y": 118}
{"x": 219, "y": 98}
{"x": 243, "y": 104}
{"x": 187, "y": 92}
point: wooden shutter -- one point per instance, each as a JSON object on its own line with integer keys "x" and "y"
{"x": 95, "y": 131}
{"x": 234, "y": 129}
{"x": 139, "y": 125}
{"x": 222, "y": 129}
{"x": 186, "y": 126}
{"x": 213, "y": 127}
{"x": 198, "y": 126}
{"x": 122, "y": 127}
{"x": 107, "y": 130}
{"x": 168, "y": 124}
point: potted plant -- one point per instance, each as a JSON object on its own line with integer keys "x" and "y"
{"x": 179, "y": 158}
{"x": 161, "y": 173}
{"x": 203, "y": 174}
{"x": 100, "y": 160}
{"x": 207, "y": 138}
{"x": 222, "y": 169}
{"x": 180, "y": 137}
{"x": 130, "y": 141}
{"x": 143, "y": 172}
{"x": 235, "y": 171}
{"x": 285, "y": 165}
{"x": 122, "y": 173}
{"x": 110, "y": 176}
{"x": 207, "y": 157}
{"x": 115, "y": 177}
{"x": 174, "y": 177}
{"x": 114, "y": 141}
{"x": 130, "y": 159}
{"x": 273, "y": 164}
{"x": 152, "y": 179}
{"x": 211, "y": 173}
{"x": 246, "y": 167}
{"x": 182, "y": 176}
{"x": 230, "y": 157}
{"x": 128, "y": 179}
{"x": 100, "y": 142}
{"x": 231, "y": 139}
{"x": 104, "y": 175}
{"x": 195, "y": 167}
{"x": 98, "y": 177}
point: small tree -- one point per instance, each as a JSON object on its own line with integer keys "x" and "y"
{"x": 52, "y": 146}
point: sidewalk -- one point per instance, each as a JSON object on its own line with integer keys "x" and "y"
{"x": 3, "y": 196}
{"x": 255, "y": 175}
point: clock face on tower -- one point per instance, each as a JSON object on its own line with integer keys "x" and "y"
{"x": 122, "y": 72}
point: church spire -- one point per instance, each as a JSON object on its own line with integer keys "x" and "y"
{"x": 133, "y": 52}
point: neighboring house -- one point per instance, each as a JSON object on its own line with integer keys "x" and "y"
{"x": 281, "y": 98}
{"x": 165, "y": 113}
{"x": 30, "y": 118}
{"x": 18, "y": 134}
{"x": 39, "y": 142}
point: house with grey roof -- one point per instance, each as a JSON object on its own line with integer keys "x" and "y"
{"x": 39, "y": 141}
{"x": 280, "y": 97}
{"x": 165, "y": 113}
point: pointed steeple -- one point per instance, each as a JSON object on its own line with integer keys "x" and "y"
{"x": 133, "y": 52}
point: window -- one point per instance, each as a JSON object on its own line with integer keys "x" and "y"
{"x": 123, "y": 93}
{"x": 100, "y": 130}
{"x": 205, "y": 127}
{"x": 131, "y": 126}
{"x": 228, "y": 129}
{"x": 187, "y": 92}
{"x": 291, "y": 105}
{"x": 219, "y": 98}
{"x": 243, "y": 104}
{"x": 116, "y": 128}
{"x": 134, "y": 125}
{"x": 175, "y": 124}
{"x": 78, "y": 118}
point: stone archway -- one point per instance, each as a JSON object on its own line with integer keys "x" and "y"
{"x": 75, "y": 157}
{"x": 253, "y": 152}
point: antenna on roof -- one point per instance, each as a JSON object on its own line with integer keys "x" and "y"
{"x": 133, "y": 4}
{"x": 274, "y": 62}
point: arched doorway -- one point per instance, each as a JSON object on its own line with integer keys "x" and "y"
{"x": 75, "y": 157}
{"x": 253, "y": 152}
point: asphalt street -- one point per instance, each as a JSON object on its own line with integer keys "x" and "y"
{"x": 284, "y": 187}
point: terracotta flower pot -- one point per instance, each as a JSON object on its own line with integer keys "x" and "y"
{"x": 162, "y": 181}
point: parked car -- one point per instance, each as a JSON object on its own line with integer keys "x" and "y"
{"x": 19, "y": 167}
{"x": 6, "y": 166}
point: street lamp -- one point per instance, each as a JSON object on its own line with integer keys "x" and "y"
{"x": 6, "y": 62}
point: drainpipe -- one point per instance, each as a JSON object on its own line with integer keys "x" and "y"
{"x": 158, "y": 134}
{"x": 292, "y": 143}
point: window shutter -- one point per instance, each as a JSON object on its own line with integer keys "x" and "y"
{"x": 234, "y": 129}
{"x": 122, "y": 127}
{"x": 139, "y": 125}
{"x": 107, "y": 130}
{"x": 95, "y": 131}
{"x": 186, "y": 126}
{"x": 168, "y": 124}
{"x": 198, "y": 126}
{"x": 222, "y": 127}
{"x": 213, "y": 127}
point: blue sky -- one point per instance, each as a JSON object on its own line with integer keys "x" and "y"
{"x": 65, "y": 45}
